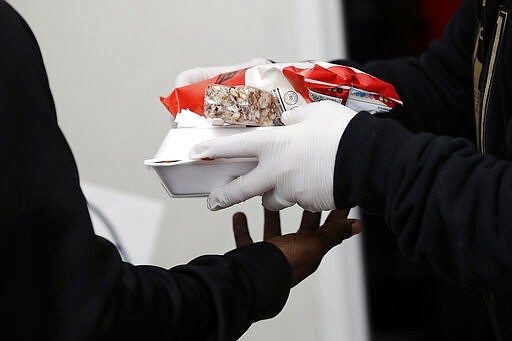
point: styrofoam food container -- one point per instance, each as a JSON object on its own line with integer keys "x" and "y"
{"x": 182, "y": 177}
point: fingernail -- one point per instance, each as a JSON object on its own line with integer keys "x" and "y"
{"x": 356, "y": 227}
{"x": 285, "y": 117}
{"x": 213, "y": 204}
{"x": 198, "y": 152}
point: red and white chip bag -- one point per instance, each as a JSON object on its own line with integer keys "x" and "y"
{"x": 291, "y": 84}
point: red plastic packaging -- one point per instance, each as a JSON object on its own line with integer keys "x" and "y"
{"x": 312, "y": 81}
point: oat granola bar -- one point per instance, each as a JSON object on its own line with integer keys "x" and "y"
{"x": 244, "y": 105}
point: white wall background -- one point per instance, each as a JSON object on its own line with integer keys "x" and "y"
{"x": 109, "y": 61}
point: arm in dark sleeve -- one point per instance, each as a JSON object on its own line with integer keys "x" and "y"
{"x": 59, "y": 280}
{"x": 436, "y": 87}
{"x": 212, "y": 298}
{"x": 446, "y": 202}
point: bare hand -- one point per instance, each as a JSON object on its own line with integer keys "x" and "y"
{"x": 305, "y": 248}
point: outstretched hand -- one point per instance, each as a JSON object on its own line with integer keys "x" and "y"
{"x": 305, "y": 248}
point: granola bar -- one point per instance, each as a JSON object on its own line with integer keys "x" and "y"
{"x": 245, "y": 105}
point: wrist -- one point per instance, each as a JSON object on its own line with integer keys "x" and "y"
{"x": 270, "y": 275}
{"x": 364, "y": 161}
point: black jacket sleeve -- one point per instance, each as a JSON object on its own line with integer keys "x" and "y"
{"x": 436, "y": 87}
{"x": 447, "y": 203}
{"x": 211, "y": 298}
{"x": 59, "y": 280}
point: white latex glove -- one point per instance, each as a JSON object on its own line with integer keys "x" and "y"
{"x": 295, "y": 162}
{"x": 199, "y": 74}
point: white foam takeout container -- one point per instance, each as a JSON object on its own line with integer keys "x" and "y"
{"x": 182, "y": 177}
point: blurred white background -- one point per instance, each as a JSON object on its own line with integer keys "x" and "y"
{"x": 109, "y": 61}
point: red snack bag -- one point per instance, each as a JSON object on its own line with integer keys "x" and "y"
{"x": 191, "y": 96}
{"x": 294, "y": 84}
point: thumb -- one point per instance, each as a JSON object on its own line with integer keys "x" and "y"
{"x": 242, "y": 188}
{"x": 334, "y": 234}
{"x": 295, "y": 115}
{"x": 303, "y": 112}
{"x": 322, "y": 111}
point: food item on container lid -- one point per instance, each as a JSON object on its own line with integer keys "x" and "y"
{"x": 295, "y": 84}
{"x": 244, "y": 105}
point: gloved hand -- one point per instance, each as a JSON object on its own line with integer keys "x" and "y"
{"x": 295, "y": 162}
{"x": 199, "y": 74}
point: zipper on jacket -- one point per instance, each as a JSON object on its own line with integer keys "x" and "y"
{"x": 500, "y": 26}
{"x": 478, "y": 59}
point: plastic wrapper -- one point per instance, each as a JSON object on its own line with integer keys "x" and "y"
{"x": 244, "y": 105}
{"x": 291, "y": 84}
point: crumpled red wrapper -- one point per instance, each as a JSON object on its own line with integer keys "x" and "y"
{"x": 312, "y": 81}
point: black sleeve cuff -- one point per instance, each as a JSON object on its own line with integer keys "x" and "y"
{"x": 364, "y": 161}
{"x": 270, "y": 275}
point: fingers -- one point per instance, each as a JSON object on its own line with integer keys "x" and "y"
{"x": 273, "y": 202}
{"x": 234, "y": 146}
{"x": 241, "y": 230}
{"x": 253, "y": 62}
{"x": 310, "y": 221}
{"x": 356, "y": 227}
{"x": 337, "y": 230}
{"x": 271, "y": 225}
{"x": 199, "y": 74}
{"x": 340, "y": 216}
{"x": 337, "y": 216}
{"x": 191, "y": 76}
{"x": 242, "y": 188}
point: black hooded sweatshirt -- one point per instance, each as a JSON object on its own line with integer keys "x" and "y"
{"x": 442, "y": 176}
{"x": 60, "y": 281}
